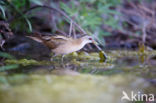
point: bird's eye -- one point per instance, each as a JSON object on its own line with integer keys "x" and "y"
{"x": 90, "y": 39}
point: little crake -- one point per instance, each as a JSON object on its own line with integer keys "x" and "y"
{"x": 61, "y": 45}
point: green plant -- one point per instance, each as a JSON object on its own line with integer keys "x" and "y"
{"x": 10, "y": 66}
{"x": 93, "y": 14}
{"x": 14, "y": 10}
{"x": 2, "y": 9}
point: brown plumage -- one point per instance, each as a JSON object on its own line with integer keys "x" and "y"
{"x": 61, "y": 45}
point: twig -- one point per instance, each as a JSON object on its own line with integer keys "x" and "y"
{"x": 58, "y": 10}
{"x": 73, "y": 28}
{"x": 74, "y": 32}
{"x": 144, "y": 32}
{"x": 70, "y": 29}
{"x": 62, "y": 32}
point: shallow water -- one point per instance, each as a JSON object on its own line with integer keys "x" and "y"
{"x": 80, "y": 78}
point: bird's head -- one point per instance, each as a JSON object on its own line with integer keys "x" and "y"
{"x": 88, "y": 39}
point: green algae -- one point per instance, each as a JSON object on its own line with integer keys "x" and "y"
{"x": 93, "y": 64}
{"x": 69, "y": 89}
{"x": 117, "y": 61}
{"x": 123, "y": 53}
{"x": 26, "y": 62}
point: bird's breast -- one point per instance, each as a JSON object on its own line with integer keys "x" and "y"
{"x": 67, "y": 48}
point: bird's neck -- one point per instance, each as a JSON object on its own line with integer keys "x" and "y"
{"x": 81, "y": 42}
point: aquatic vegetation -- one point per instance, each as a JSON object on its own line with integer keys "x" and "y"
{"x": 82, "y": 60}
{"x": 25, "y": 62}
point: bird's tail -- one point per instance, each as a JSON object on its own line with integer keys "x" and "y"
{"x": 37, "y": 37}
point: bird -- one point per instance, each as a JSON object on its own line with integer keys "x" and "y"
{"x": 62, "y": 45}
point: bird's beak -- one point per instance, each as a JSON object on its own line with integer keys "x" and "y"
{"x": 94, "y": 42}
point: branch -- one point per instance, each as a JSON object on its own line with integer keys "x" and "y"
{"x": 58, "y": 10}
{"x": 70, "y": 29}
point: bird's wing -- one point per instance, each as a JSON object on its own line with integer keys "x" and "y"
{"x": 51, "y": 41}
{"x": 35, "y": 38}
{"x": 62, "y": 37}
{"x": 54, "y": 42}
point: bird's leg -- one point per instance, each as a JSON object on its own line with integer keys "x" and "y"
{"x": 51, "y": 59}
{"x": 62, "y": 63}
{"x": 62, "y": 58}
{"x": 1, "y": 45}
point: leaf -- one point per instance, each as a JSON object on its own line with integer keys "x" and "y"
{"x": 70, "y": 11}
{"x": 37, "y": 2}
{"x": 87, "y": 1}
{"x": 19, "y": 4}
{"x": 6, "y": 55}
{"x": 2, "y": 2}
{"x": 29, "y": 25}
{"x": 3, "y": 11}
{"x": 103, "y": 9}
{"x": 8, "y": 67}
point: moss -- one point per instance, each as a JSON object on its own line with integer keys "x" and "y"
{"x": 123, "y": 53}
{"x": 121, "y": 61}
{"x": 26, "y": 62}
{"x": 93, "y": 64}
